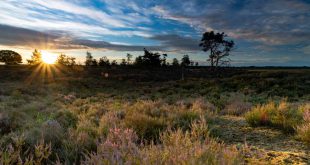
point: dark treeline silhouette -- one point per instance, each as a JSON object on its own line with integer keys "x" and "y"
{"x": 214, "y": 43}
{"x": 147, "y": 60}
{"x": 66, "y": 60}
{"x": 10, "y": 57}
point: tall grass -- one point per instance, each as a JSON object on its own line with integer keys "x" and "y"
{"x": 303, "y": 131}
{"x": 282, "y": 115}
{"x": 177, "y": 147}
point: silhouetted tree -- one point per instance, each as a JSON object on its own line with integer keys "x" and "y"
{"x": 10, "y": 57}
{"x": 114, "y": 63}
{"x": 175, "y": 62}
{"x": 196, "y": 64}
{"x": 185, "y": 60}
{"x": 219, "y": 47}
{"x": 139, "y": 61}
{"x": 94, "y": 63}
{"x": 164, "y": 60}
{"x": 66, "y": 60}
{"x": 104, "y": 61}
{"x": 89, "y": 59}
{"x": 36, "y": 58}
{"x": 129, "y": 57}
{"x": 149, "y": 59}
{"x": 123, "y": 63}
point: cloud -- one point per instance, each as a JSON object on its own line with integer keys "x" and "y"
{"x": 176, "y": 42}
{"x": 306, "y": 50}
{"x": 271, "y": 22}
{"x": 83, "y": 21}
{"x": 15, "y": 36}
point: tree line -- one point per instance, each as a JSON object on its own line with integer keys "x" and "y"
{"x": 213, "y": 43}
{"x": 148, "y": 59}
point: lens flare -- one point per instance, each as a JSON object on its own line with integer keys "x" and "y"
{"x": 49, "y": 58}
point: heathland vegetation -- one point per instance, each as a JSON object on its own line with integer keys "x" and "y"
{"x": 149, "y": 110}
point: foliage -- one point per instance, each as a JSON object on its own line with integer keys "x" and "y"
{"x": 185, "y": 61}
{"x": 303, "y": 131}
{"x": 78, "y": 111}
{"x": 150, "y": 59}
{"x": 281, "y": 116}
{"x": 194, "y": 147}
{"x": 66, "y": 60}
{"x": 175, "y": 62}
{"x": 104, "y": 61}
{"x": 36, "y": 58}
{"x": 219, "y": 47}
{"x": 10, "y": 57}
{"x": 15, "y": 153}
{"x": 129, "y": 58}
{"x": 90, "y": 61}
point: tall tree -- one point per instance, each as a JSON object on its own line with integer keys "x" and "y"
{"x": 66, "y": 60}
{"x": 185, "y": 61}
{"x": 129, "y": 57}
{"x": 217, "y": 45}
{"x": 36, "y": 58}
{"x": 89, "y": 59}
{"x": 164, "y": 60}
{"x": 149, "y": 59}
{"x": 10, "y": 57}
{"x": 104, "y": 61}
{"x": 175, "y": 62}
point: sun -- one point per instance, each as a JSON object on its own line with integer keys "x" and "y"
{"x": 49, "y": 58}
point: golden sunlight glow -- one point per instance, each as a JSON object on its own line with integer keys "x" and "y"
{"x": 48, "y": 58}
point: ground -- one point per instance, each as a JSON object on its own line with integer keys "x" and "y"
{"x": 265, "y": 144}
{"x": 81, "y": 104}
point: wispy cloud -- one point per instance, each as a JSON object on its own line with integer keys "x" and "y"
{"x": 259, "y": 28}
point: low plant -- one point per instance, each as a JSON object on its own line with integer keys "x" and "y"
{"x": 303, "y": 131}
{"x": 283, "y": 116}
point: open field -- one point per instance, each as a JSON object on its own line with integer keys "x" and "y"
{"x": 128, "y": 115}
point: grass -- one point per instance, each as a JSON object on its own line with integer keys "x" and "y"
{"x": 149, "y": 117}
{"x": 282, "y": 115}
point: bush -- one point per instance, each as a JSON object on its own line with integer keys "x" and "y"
{"x": 184, "y": 120}
{"x": 147, "y": 128}
{"x": 118, "y": 148}
{"x": 191, "y": 147}
{"x": 177, "y": 147}
{"x": 303, "y": 131}
{"x": 14, "y": 153}
{"x": 282, "y": 116}
{"x": 66, "y": 119}
{"x": 50, "y": 131}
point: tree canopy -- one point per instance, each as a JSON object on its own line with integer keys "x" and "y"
{"x": 217, "y": 45}
{"x": 10, "y": 57}
{"x": 36, "y": 58}
{"x": 66, "y": 60}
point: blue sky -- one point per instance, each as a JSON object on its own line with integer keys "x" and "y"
{"x": 266, "y": 32}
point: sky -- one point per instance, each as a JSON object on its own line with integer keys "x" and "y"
{"x": 266, "y": 32}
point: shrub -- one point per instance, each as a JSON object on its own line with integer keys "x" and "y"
{"x": 283, "y": 116}
{"x": 118, "y": 148}
{"x": 147, "y": 128}
{"x": 177, "y": 147}
{"x": 66, "y": 119}
{"x": 236, "y": 105}
{"x": 184, "y": 119}
{"x": 191, "y": 147}
{"x": 5, "y": 125}
{"x": 303, "y": 131}
{"x": 50, "y": 131}
{"x": 14, "y": 153}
